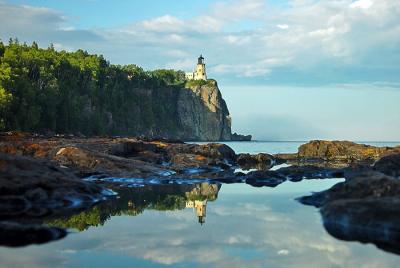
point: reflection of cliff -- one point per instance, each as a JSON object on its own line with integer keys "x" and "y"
{"x": 133, "y": 201}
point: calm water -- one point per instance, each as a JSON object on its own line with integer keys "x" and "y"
{"x": 232, "y": 225}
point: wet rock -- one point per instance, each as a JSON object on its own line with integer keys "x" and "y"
{"x": 363, "y": 208}
{"x": 373, "y": 220}
{"x": 264, "y": 178}
{"x": 230, "y": 180}
{"x": 33, "y": 188}
{"x": 14, "y": 234}
{"x": 298, "y": 173}
{"x": 283, "y": 158}
{"x": 362, "y": 185}
{"x": 259, "y": 161}
{"x": 389, "y": 165}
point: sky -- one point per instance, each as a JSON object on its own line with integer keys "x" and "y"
{"x": 288, "y": 69}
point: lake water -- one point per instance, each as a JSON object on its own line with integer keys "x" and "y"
{"x": 229, "y": 225}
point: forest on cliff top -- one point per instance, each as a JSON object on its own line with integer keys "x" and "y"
{"x": 45, "y": 90}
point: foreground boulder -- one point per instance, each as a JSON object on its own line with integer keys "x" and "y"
{"x": 389, "y": 165}
{"x": 34, "y": 188}
{"x": 364, "y": 208}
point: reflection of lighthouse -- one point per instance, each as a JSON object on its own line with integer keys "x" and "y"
{"x": 200, "y": 207}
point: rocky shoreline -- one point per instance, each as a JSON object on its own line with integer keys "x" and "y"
{"x": 59, "y": 175}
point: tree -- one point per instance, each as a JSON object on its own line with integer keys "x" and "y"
{"x": 70, "y": 92}
{"x": 35, "y": 45}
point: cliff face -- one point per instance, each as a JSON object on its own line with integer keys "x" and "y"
{"x": 83, "y": 94}
{"x": 190, "y": 113}
{"x": 203, "y": 114}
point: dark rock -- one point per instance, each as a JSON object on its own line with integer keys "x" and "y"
{"x": 229, "y": 180}
{"x": 284, "y": 158}
{"x": 359, "y": 186}
{"x": 363, "y": 208}
{"x": 239, "y": 137}
{"x": 132, "y": 148}
{"x": 371, "y": 220}
{"x": 298, "y": 173}
{"x": 264, "y": 178}
{"x": 32, "y": 188}
{"x": 315, "y": 199}
{"x": 14, "y": 234}
{"x": 389, "y": 165}
{"x": 259, "y": 161}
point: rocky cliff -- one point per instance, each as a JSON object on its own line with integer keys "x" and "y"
{"x": 203, "y": 113}
{"x": 83, "y": 94}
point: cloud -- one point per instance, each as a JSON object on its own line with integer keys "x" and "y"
{"x": 316, "y": 41}
{"x": 44, "y": 25}
{"x": 164, "y": 24}
{"x": 364, "y": 4}
{"x": 283, "y": 26}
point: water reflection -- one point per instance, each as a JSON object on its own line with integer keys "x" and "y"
{"x": 158, "y": 225}
{"x": 134, "y": 201}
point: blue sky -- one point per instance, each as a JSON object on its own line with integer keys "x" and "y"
{"x": 343, "y": 54}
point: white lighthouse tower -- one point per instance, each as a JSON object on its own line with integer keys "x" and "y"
{"x": 200, "y": 71}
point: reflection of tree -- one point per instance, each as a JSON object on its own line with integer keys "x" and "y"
{"x": 133, "y": 201}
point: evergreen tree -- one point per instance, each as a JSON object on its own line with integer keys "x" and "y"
{"x": 76, "y": 92}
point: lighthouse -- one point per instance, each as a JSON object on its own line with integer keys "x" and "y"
{"x": 200, "y": 71}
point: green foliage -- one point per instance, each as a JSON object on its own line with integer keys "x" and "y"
{"x": 169, "y": 77}
{"x": 195, "y": 83}
{"x": 76, "y": 92}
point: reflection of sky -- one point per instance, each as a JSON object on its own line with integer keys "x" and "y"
{"x": 245, "y": 226}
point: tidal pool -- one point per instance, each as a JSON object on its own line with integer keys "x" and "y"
{"x": 200, "y": 225}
